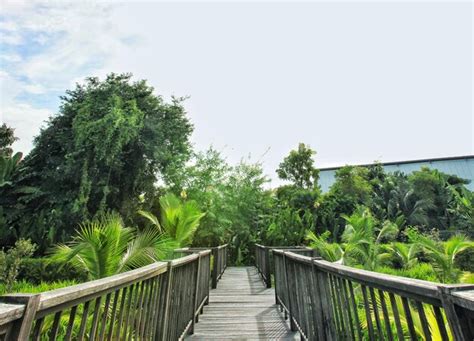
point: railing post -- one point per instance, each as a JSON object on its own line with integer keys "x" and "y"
{"x": 326, "y": 329}
{"x": 215, "y": 256}
{"x": 461, "y": 324}
{"x": 268, "y": 276}
{"x": 290, "y": 309}
{"x": 20, "y": 330}
{"x": 276, "y": 282}
{"x": 196, "y": 288}
{"x": 162, "y": 328}
{"x": 225, "y": 256}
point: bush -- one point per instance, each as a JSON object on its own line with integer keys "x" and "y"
{"x": 465, "y": 260}
{"x": 38, "y": 270}
{"x": 25, "y": 287}
{"x": 11, "y": 260}
{"x": 422, "y": 271}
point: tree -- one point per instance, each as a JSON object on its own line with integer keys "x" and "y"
{"x": 110, "y": 143}
{"x": 353, "y": 182}
{"x": 104, "y": 247}
{"x": 298, "y": 167}
{"x": 178, "y": 220}
{"x": 233, "y": 198}
{"x": 204, "y": 180}
{"x": 7, "y": 138}
{"x": 433, "y": 186}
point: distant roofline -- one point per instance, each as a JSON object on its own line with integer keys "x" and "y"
{"x": 448, "y": 158}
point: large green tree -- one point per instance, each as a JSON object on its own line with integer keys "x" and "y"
{"x": 110, "y": 143}
{"x": 233, "y": 199}
{"x": 298, "y": 167}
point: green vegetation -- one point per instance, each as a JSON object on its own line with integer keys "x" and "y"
{"x": 113, "y": 183}
{"x": 179, "y": 220}
{"x": 29, "y": 288}
{"x": 11, "y": 260}
{"x": 104, "y": 247}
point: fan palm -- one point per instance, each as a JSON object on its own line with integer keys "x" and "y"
{"x": 363, "y": 243}
{"x": 405, "y": 254}
{"x": 8, "y": 165}
{"x": 331, "y": 252}
{"x": 104, "y": 247}
{"x": 178, "y": 220}
{"x": 403, "y": 201}
{"x": 443, "y": 255}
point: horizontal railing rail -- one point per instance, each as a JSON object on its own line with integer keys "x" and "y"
{"x": 218, "y": 260}
{"x": 328, "y": 301}
{"x": 263, "y": 259}
{"x": 160, "y": 301}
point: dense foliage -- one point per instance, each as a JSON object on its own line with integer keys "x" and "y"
{"x": 233, "y": 198}
{"x": 108, "y": 145}
{"x": 115, "y": 167}
{"x": 11, "y": 259}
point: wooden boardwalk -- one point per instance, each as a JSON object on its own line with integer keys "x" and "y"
{"x": 241, "y": 308}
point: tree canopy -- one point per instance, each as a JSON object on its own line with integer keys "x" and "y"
{"x": 298, "y": 167}
{"x": 109, "y": 144}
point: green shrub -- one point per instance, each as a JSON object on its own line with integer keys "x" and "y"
{"x": 465, "y": 260}
{"x": 422, "y": 271}
{"x": 11, "y": 260}
{"x": 38, "y": 270}
{"x": 26, "y": 287}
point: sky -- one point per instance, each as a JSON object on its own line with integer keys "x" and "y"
{"x": 357, "y": 81}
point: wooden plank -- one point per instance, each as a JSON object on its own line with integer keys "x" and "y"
{"x": 242, "y": 308}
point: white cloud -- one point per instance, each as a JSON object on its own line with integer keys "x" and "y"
{"x": 27, "y": 121}
{"x": 11, "y": 38}
{"x": 74, "y": 41}
{"x": 263, "y": 74}
{"x": 11, "y": 57}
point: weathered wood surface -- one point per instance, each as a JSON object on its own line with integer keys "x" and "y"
{"x": 241, "y": 308}
{"x": 155, "y": 302}
{"x": 323, "y": 301}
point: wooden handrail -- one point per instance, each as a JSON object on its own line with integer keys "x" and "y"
{"x": 263, "y": 259}
{"x": 161, "y": 301}
{"x": 323, "y": 300}
{"x": 219, "y": 260}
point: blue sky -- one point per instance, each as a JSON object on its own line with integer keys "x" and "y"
{"x": 358, "y": 81}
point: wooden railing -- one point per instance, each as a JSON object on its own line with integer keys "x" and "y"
{"x": 160, "y": 301}
{"x": 263, "y": 259}
{"x": 218, "y": 261}
{"x": 327, "y": 301}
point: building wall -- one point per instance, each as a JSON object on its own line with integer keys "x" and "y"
{"x": 462, "y": 167}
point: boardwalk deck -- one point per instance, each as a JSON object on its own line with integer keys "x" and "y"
{"x": 241, "y": 308}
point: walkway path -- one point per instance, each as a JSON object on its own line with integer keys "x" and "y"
{"x": 241, "y": 308}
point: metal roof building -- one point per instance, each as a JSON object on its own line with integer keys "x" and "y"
{"x": 462, "y": 166}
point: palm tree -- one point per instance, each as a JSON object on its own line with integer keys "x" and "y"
{"x": 104, "y": 247}
{"x": 331, "y": 252}
{"x": 405, "y": 254}
{"x": 362, "y": 241}
{"x": 403, "y": 201}
{"x": 443, "y": 255}
{"x": 178, "y": 220}
{"x": 8, "y": 165}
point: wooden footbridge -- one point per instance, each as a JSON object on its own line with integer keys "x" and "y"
{"x": 197, "y": 297}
